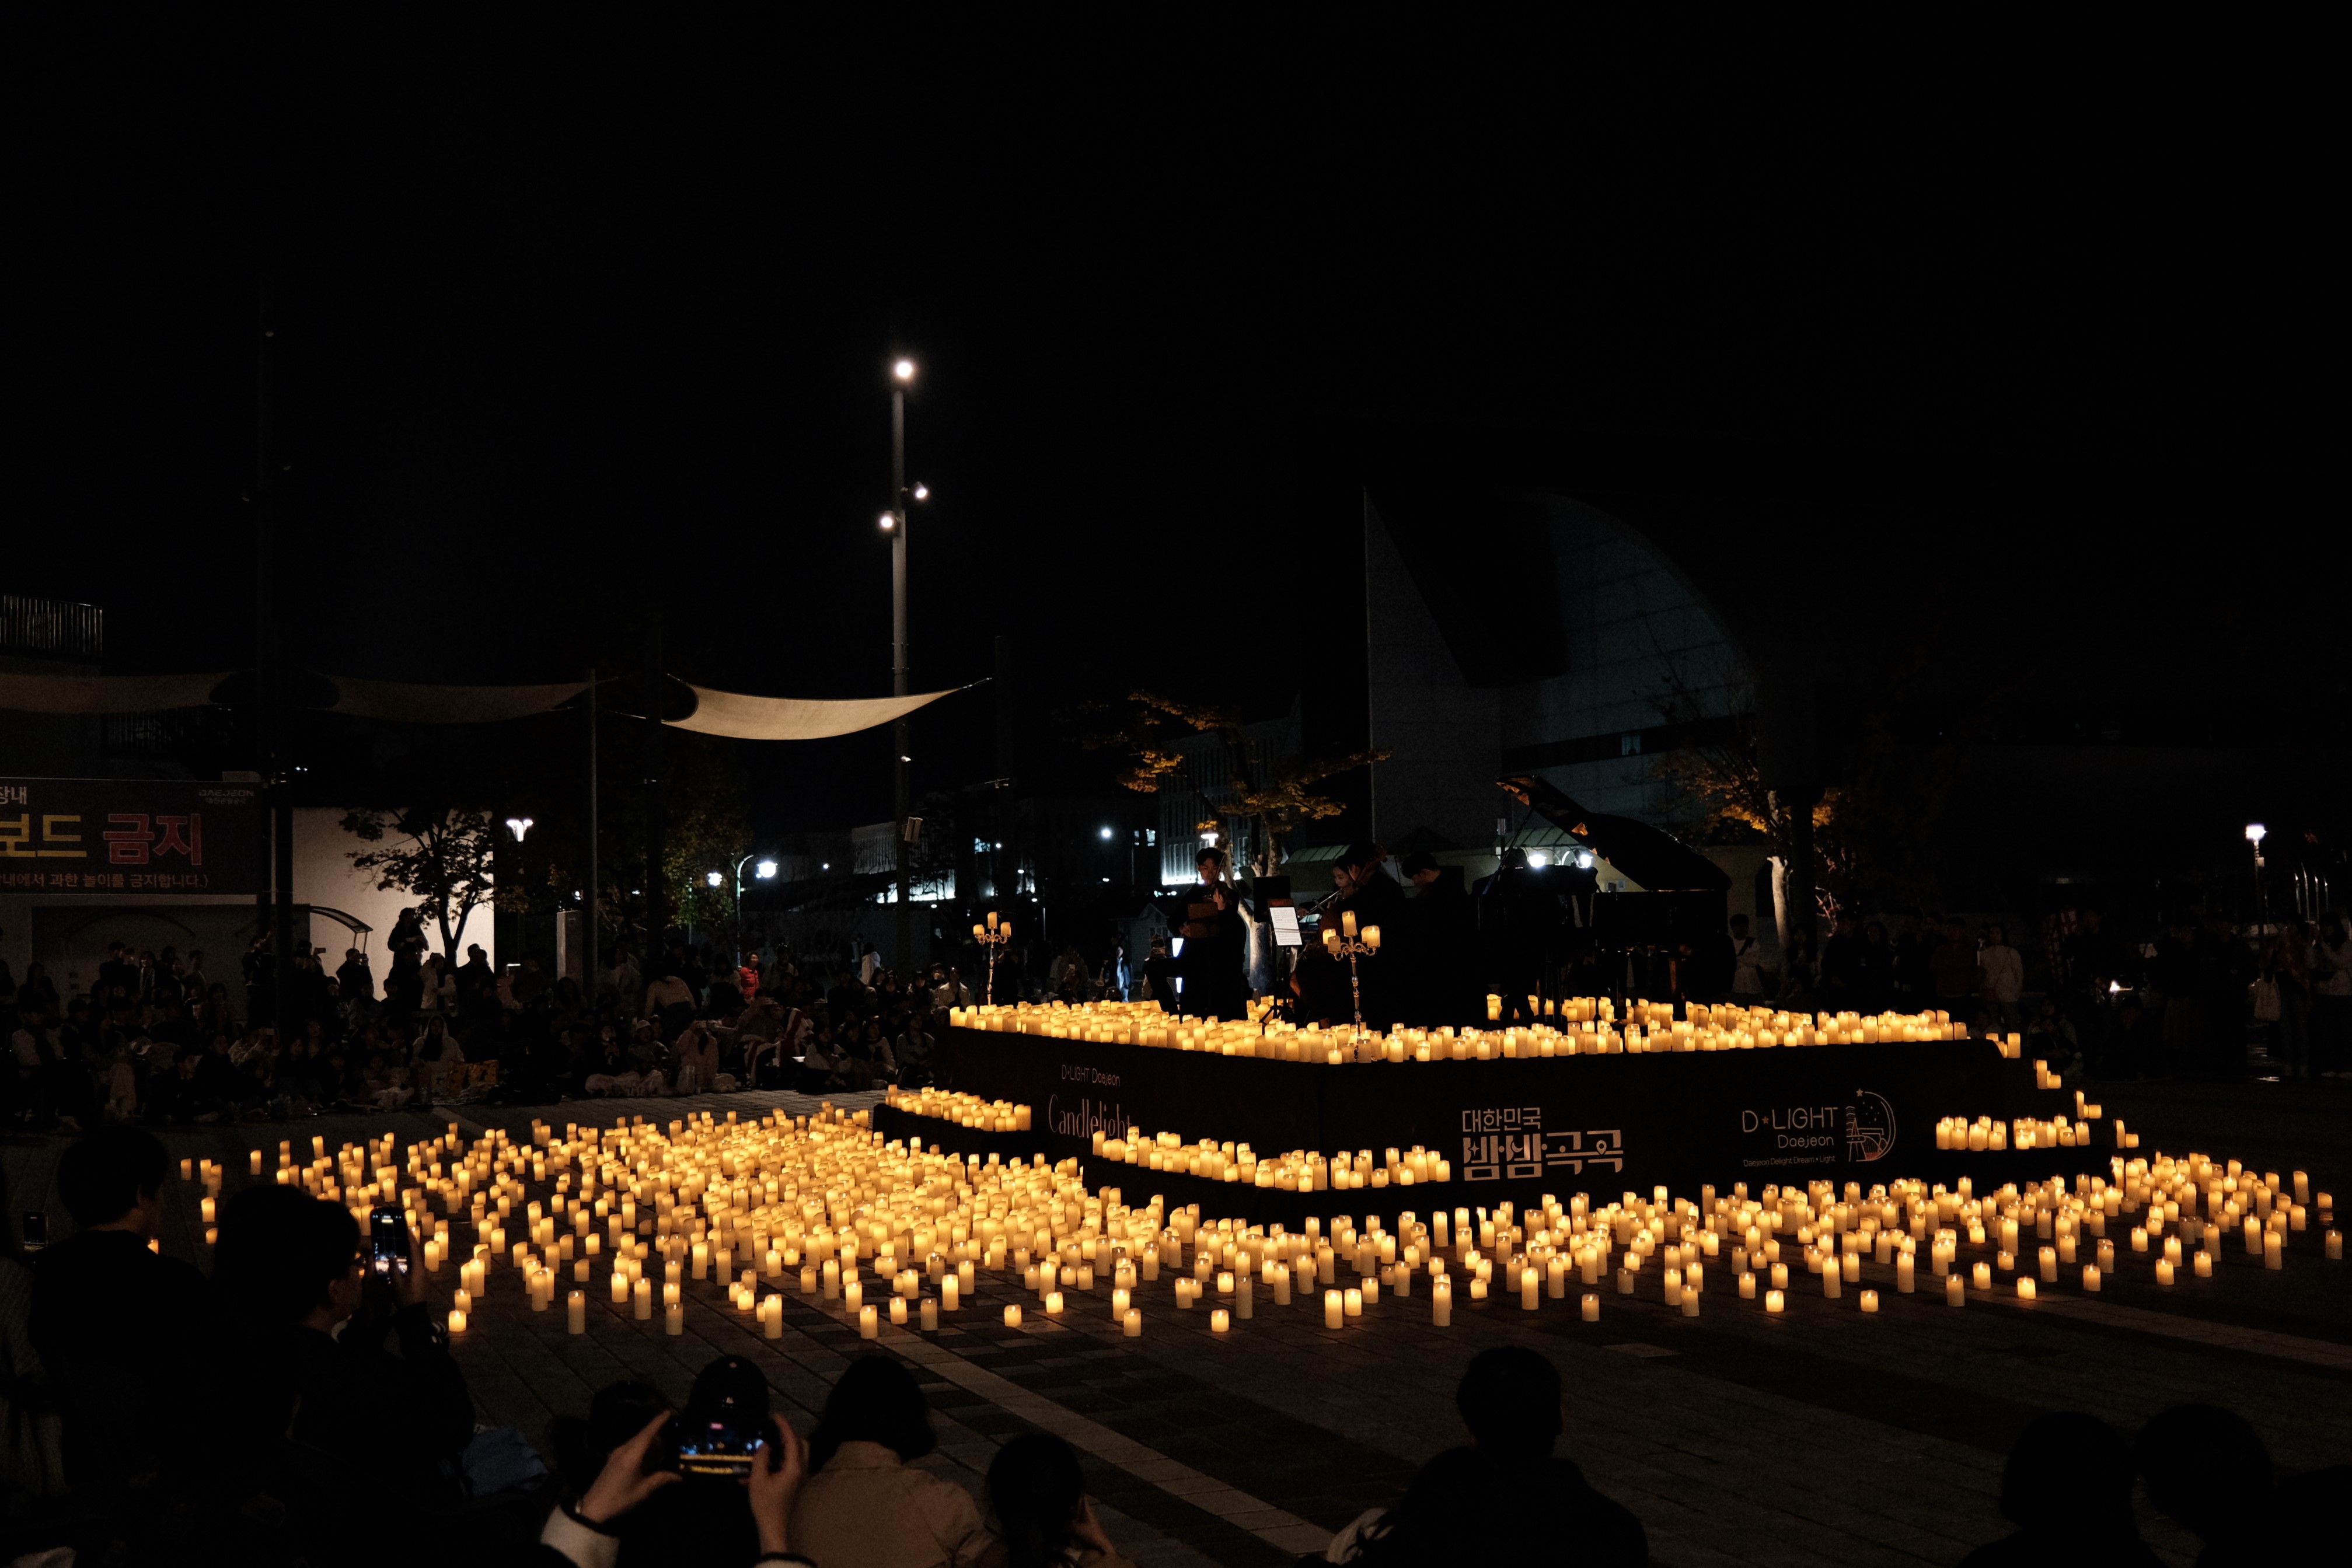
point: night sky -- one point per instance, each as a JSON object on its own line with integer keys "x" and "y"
{"x": 580, "y": 315}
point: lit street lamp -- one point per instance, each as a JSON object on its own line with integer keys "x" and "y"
{"x": 894, "y": 523}
{"x": 518, "y": 826}
{"x": 765, "y": 871}
{"x": 2255, "y": 833}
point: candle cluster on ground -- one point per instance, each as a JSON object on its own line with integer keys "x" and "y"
{"x": 894, "y": 1236}
{"x": 1579, "y": 1026}
{"x": 963, "y": 1110}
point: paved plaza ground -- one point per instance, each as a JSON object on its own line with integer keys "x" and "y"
{"x": 1820, "y": 1437}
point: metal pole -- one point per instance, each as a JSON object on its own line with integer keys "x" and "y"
{"x": 903, "y": 956}
{"x": 589, "y": 902}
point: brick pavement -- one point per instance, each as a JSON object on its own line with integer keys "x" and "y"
{"x": 1822, "y": 1435}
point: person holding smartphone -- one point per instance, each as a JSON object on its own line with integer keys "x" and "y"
{"x": 324, "y": 1306}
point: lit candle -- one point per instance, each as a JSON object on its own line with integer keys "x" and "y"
{"x": 1052, "y": 1303}
{"x": 1353, "y": 1303}
{"x": 950, "y": 1293}
{"x": 1954, "y": 1291}
{"x": 620, "y": 1289}
{"x": 1779, "y": 1276}
{"x": 1591, "y": 1306}
{"x": 1982, "y": 1275}
{"x": 1441, "y": 1303}
{"x": 2025, "y": 1287}
{"x": 255, "y": 1166}
{"x": 576, "y": 1311}
{"x": 2203, "y": 1264}
{"x": 1133, "y": 1325}
{"x": 1013, "y": 1316}
{"x": 1220, "y": 1321}
{"x": 1775, "y": 1302}
{"x": 2164, "y": 1272}
{"x": 674, "y": 1318}
{"x": 433, "y": 1255}
{"x": 853, "y": 1295}
{"x": 1870, "y": 1301}
{"x": 1903, "y": 1273}
{"x": 1530, "y": 1290}
{"x": 898, "y": 1311}
{"x": 456, "y": 1322}
{"x": 2090, "y": 1276}
{"x": 206, "y": 1208}
{"x": 1747, "y": 1285}
{"x": 869, "y": 1323}
{"x": 644, "y": 1301}
{"x": 1334, "y": 1310}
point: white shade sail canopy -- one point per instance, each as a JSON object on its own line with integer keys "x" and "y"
{"x": 741, "y": 717}
{"x": 414, "y": 702}
{"x": 105, "y": 694}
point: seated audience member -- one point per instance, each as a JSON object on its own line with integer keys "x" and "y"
{"x": 32, "y": 1463}
{"x": 2205, "y": 1467}
{"x": 371, "y": 1438}
{"x": 695, "y": 1061}
{"x": 2067, "y": 1487}
{"x": 1043, "y": 1516}
{"x": 1509, "y": 1400}
{"x": 612, "y": 1524}
{"x": 864, "y": 1501}
{"x": 129, "y": 1337}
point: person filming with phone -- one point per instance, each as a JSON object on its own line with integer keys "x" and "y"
{"x": 369, "y": 1440}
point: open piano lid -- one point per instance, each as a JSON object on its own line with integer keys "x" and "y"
{"x": 1655, "y": 859}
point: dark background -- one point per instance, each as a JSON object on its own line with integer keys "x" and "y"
{"x": 582, "y": 316}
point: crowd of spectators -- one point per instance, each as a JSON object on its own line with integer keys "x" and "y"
{"x": 158, "y": 1038}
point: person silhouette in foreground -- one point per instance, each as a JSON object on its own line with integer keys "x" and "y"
{"x": 2067, "y": 1487}
{"x": 1043, "y": 1516}
{"x": 2207, "y": 1467}
{"x": 1507, "y": 1498}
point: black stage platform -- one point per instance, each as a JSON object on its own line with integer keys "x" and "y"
{"x": 1513, "y": 1129}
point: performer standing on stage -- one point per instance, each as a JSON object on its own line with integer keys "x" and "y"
{"x": 1216, "y": 945}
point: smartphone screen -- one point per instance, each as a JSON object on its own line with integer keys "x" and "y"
{"x": 388, "y": 1240}
{"x": 37, "y": 1230}
{"x": 715, "y": 1447}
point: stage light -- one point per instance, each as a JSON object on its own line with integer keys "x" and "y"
{"x": 1538, "y": 859}
{"x": 1584, "y": 859}
{"x": 765, "y": 869}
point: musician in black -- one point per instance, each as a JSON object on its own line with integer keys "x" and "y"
{"x": 1216, "y": 944}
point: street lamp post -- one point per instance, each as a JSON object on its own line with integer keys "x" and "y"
{"x": 2255, "y": 833}
{"x": 766, "y": 872}
{"x": 902, "y": 372}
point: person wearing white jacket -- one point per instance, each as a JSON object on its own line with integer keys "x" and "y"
{"x": 2004, "y": 968}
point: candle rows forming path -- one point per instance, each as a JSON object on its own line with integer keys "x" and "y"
{"x": 823, "y": 1205}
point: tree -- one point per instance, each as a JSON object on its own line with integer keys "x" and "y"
{"x": 1274, "y": 805}
{"x": 442, "y": 856}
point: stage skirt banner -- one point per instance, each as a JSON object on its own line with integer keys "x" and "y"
{"x": 1515, "y": 1129}
{"x": 144, "y": 838}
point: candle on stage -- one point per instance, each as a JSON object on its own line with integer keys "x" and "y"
{"x": 1133, "y": 1324}
{"x": 870, "y": 1324}
{"x": 1775, "y": 1302}
{"x": 456, "y": 1321}
{"x": 1052, "y": 1303}
{"x": 1954, "y": 1290}
{"x": 1013, "y": 1316}
{"x": 950, "y": 1293}
{"x": 898, "y": 1311}
{"x": 1441, "y": 1301}
{"x": 644, "y": 1301}
{"x": 772, "y": 1317}
{"x": 1334, "y": 1310}
{"x": 1220, "y": 1321}
{"x": 2164, "y": 1271}
{"x": 1592, "y": 1306}
{"x": 575, "y": 1310}
{"x": 1870, "y": 1301}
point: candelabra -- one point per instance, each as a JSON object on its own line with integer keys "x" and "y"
{"x": 1346, "y": 940}
{"x": 992, "y": 938}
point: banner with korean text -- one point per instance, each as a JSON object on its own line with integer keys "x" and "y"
{"x": 139, "y": 837}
